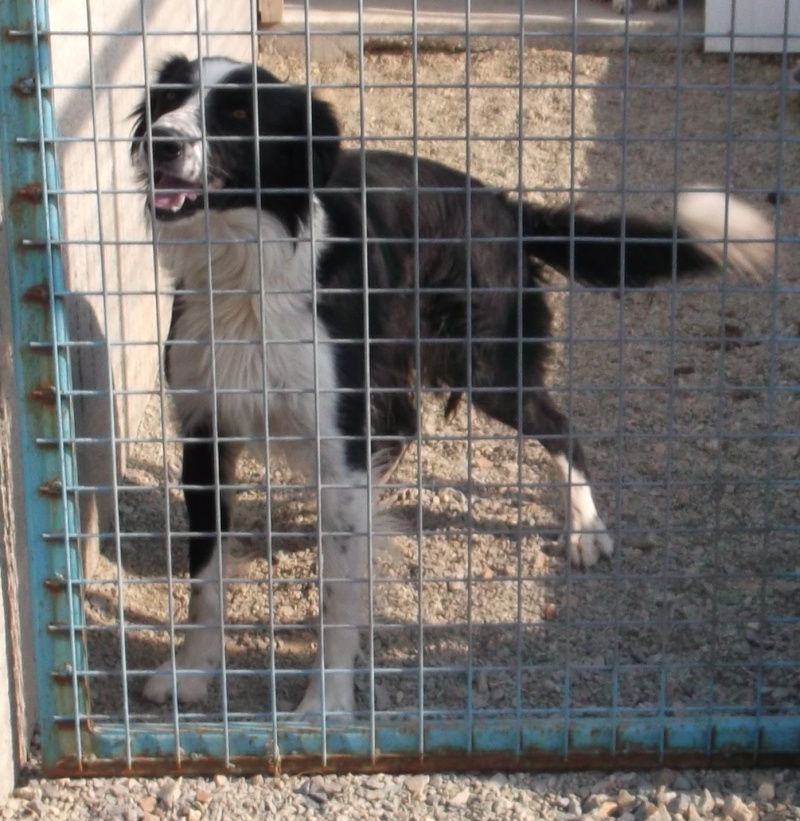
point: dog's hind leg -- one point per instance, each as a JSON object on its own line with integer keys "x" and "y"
{"x": 586, "y": 536}
{"x": 202, "y": 645}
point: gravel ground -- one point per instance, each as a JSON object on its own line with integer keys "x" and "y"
{"x": 659, "y": 796}
{"x": 672, "y": 394}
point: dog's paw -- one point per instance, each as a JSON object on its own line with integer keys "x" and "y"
{"x": 340, "y": 699}
{"x": 657, "y": 5}
{"x": 622, "y": 6}
{"x": 192, "y": 687}
{"x": 589, "y": 543}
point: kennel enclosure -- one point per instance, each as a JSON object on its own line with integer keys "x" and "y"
{"x": 486, "y": 649}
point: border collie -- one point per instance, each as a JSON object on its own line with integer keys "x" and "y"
{"x": 314, "y": 286}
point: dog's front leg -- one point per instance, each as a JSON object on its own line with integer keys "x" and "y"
{"x": 201, "y": 650}
{"x": 344, "y": 573}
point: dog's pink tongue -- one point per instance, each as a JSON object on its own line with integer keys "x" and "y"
{"x": 168, "y": 202}
{"x": 171, "y": 200}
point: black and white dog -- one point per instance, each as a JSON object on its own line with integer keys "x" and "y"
{"x": 288, "y": 253}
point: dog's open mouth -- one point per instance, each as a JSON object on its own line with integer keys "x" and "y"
{"x": 176, "y": 198}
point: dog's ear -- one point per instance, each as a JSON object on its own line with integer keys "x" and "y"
{"x": 324, "y": 141}
{"x": 174, "y": 66}
{"x": 139, "y": 117}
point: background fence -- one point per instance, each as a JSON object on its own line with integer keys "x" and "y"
{"x": 486, "y": 648}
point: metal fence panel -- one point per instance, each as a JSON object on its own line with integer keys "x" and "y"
{"x": 483, "y": 647}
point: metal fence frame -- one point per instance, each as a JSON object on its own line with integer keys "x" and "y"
{"x": 73, "y": 741}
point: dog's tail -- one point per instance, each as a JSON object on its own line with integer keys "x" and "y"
{"x": 712, "y": 229}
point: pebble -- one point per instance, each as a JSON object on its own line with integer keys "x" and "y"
{"x": 460, "y": 799}
{"x": 606, "y": 809}
{"x": 692, "y": 814}
{"x": 736, "y": 809}
{"x": 415, "y": 784}
{"x": 664, "y": 796}
{"x": 203, "y": 795}
{"x": 659, "y": 813}
{"x": 550, "y": 611}
{"x": 312, "y": 789}
{"x": 692, "y": 796}
{"x": 766, "y": 791}
{"x": 679, "y": 805}
{"x": 593, "y": 802}
{"x": 169, "y": 792}
{"x": 707, "y": 803}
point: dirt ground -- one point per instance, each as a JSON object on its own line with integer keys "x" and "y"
{"x": 686, "y": 400}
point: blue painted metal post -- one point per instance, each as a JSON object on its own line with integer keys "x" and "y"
{"x": 42, "y": 371}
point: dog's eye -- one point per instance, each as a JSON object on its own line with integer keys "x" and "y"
{"x": 171, "y": 96}
{"x": 240, "y": 114}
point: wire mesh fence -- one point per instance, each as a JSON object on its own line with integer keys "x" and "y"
{"x": 227, "y": 331}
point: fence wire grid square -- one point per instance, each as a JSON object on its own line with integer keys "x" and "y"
{"x": 483, "y": 643}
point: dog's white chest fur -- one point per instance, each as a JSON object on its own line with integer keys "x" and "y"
{"x": 248, "y": 330}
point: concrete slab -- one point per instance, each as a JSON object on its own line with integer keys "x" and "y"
{"x": 333, "y": 25}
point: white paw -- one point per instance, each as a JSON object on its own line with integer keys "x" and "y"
{"x": 340, "y": 697}
{"x": 192, "y": 687}
{"x": 200, "y": 651}
{"x": 589, "y": 543}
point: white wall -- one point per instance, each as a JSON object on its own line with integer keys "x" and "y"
{"x": 101, "y": 53}
{"x": 757, "y": 25}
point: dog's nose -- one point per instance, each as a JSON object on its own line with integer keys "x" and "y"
{"x": 167, "y": 143}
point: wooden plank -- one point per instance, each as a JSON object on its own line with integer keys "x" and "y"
{"x": 270, "y": 12}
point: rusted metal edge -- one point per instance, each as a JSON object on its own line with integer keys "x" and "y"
{"x": 457, "y": 761}
{"x": 540, "y": 744}
{"x": 51, "y": 489}
{"x": 10, "y": 33}
{"x": 38, "y": 294}
{"x": 32, "y": 193}
{"x": 45, "y": 394}
{"x": 24, "y": 86}
{"x": 32, "y": 245}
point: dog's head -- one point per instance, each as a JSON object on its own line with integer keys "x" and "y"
{"x": 220, "y": 134}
